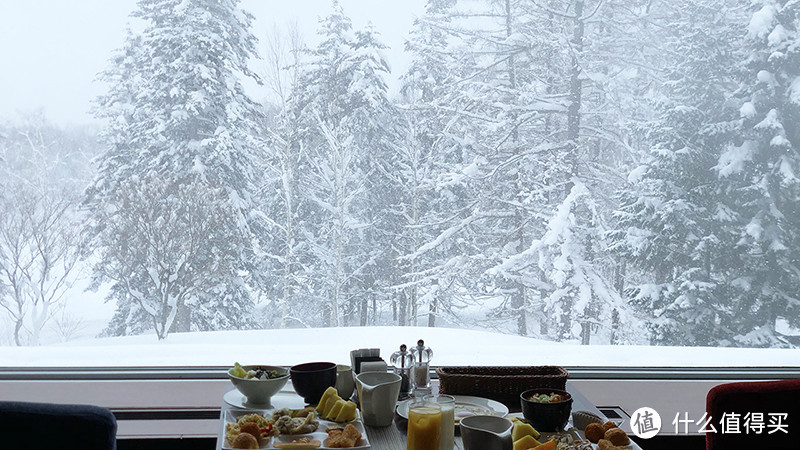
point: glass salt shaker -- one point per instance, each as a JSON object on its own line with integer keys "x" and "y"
{"x": 402, "y": 361}
{"x": 420, "y": 374}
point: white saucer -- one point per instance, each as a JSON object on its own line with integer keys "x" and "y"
{"x": 284, "y": 399}
{"x": 237, "y": 400}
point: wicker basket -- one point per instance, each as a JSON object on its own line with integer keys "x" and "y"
{"x": 503, "y": 384}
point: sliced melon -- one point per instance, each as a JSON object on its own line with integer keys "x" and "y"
{"x": 526, "y": 442}
{"x": 347, "y": 413}
{"x": 523, "y": 429}
{"x": 331, "y": 391}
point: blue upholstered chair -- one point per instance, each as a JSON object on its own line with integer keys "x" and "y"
{"x": 33, "y": 426}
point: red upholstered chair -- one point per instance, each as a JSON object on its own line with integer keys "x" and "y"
{"x": 741, "y": 402}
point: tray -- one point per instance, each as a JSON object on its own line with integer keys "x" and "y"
{"x": 232, "y": 415}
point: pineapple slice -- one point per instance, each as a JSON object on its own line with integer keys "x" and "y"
{"x": 335, "y": 410}
{"x": 329, "y": 404}
{"x": 331, "y": 391}
{"x": 326, "y": 408}
{"x": 347, "y": 413}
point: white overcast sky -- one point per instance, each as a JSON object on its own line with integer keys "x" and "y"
{"x": 52, "y": 50}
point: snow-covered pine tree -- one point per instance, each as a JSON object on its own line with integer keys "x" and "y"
{"x": 581, "y": 300}
{"x": 759, "y": 177}
{"x": 427, "y": 148}
{"x": 341, "y": 97}
{"x": 374, "y": 124}
{"x": 582, "y": 45}
{"x": 179, "y": 121}
{"x": 499, "y": 111}
{"x": 671, "y": 222}
{"x": 527, "y": 133}
{"x": 284, "y": 250}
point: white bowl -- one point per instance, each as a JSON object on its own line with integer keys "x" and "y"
{"x": 258, "y": 392}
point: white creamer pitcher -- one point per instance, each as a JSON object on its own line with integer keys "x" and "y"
{"x": 377, "y": 393}
{"x": 486, "y": 433}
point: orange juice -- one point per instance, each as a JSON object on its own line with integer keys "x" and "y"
{"x": 424, "y": 426}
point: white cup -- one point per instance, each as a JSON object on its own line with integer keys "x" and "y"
{"x": 345, "y": 385}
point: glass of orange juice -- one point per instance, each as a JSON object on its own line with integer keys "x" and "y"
{"x": 424, "y": 425}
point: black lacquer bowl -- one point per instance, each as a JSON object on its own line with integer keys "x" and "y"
{"x": 551, "y": 416}
{"x": 311, "y": 379}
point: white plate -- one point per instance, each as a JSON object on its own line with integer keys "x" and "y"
{"x": 477, "y": 405}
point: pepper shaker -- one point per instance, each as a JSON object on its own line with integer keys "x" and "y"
{"x": 420, "y": 373}
{"x": 402, "y": 361}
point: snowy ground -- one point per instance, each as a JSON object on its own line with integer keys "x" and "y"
{"x": 451, "y": 347}
{"x": 285, "y": 347}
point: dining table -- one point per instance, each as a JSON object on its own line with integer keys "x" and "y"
{"x": 392, "y": 437}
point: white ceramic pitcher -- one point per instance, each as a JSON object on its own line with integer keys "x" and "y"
{"x": 486, "y": 433}
{"x": 377, "y": 393}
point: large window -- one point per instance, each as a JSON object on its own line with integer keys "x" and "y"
{"x": 552, "y": 175}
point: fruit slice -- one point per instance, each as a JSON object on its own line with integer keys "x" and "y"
{"x": 347, "y": 413}
{"x": 331, "y": 391}
{"x": 526, "y": 442}
{"x": 523, "y": 429}
{"x": 549, "y": 445}
{"x": 330, "y": 403}
{"x": 335, "y": 410}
